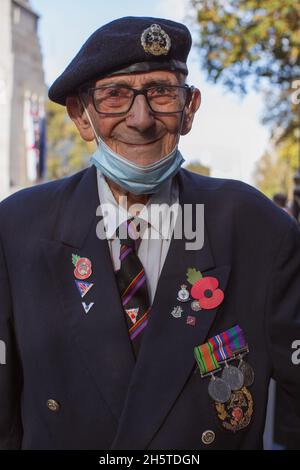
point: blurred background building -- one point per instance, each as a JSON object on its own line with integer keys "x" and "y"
{"x": 22, "y": 98}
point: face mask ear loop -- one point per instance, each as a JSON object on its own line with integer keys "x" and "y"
{"x": 90, "y": 120}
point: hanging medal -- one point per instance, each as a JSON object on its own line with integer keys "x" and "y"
{"x": 233, "y": 377}
{"x": 246, "y": 370}
{"x": 218, "y": 389}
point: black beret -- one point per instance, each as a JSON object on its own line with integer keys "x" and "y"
{"x": 126, "y": 45}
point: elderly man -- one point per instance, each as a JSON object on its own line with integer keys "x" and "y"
{"x": 121, "y": 333}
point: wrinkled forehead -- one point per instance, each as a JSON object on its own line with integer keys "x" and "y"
{"x": 141, "y": 79}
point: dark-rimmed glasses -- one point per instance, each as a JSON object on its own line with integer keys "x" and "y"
{"x": 118, "y": 99}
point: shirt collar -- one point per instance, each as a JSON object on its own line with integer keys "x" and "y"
{"x": 114, "y": 214}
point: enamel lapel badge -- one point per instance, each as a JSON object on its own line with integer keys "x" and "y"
{"x": 82, "y": 271}
{"x": 83, "y": 267}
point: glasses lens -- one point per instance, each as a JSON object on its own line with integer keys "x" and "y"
{"x": 113, "y": 99}
{"x": 167, "y": 99}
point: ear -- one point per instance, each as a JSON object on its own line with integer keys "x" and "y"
{"x": 77, "y": 114}
{"x": 190, "y": 110}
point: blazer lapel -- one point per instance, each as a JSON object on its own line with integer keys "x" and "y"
{"x": 166, "y": 358}
{"x": 101, "y": 335}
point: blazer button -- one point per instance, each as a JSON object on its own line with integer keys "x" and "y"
{"x": 208, "y": 437}
{"x": 53, "y": 405}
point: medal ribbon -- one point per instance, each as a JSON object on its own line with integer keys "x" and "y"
{"x": 205, "y": 358}
{"x": 236, "y": 338}
{"x": 219, "y": 348}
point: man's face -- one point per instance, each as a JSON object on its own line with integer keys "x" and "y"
{"x": 141, "y": 136}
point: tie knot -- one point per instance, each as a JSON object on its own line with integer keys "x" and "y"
{"x": 128, "y": 234}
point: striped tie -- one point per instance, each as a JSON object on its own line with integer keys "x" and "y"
{"x": 131, "y": 280}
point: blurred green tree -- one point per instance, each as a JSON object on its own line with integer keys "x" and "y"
{"x": 66, "y": 151}
{"x": 197, "y": 167}
{"x": 246, "y": 43}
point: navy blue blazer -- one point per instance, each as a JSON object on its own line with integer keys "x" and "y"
{"x": 107, "y": 400}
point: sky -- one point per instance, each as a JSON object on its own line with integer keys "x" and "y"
{"x": 227, "y": 134}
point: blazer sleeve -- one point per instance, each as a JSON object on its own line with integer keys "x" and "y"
{"x": 283, "y": 320}
{"x": 10, "y": 370}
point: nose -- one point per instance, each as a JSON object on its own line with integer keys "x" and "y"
{"x": 140, "y": 115}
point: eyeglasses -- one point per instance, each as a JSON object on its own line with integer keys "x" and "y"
{"x": 118, "y": 99}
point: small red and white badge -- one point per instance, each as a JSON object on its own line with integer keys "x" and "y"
{"x": 132, "y": 313}
{"x": 191, "y": 320}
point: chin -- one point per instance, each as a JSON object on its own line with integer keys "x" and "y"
{"x": 143, "y": 157}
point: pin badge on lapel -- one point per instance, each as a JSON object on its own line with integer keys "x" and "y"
{"x": 86, "y": 307}
{"x": 83, "y": 287}
{"x": 83, "y": 267}
{"x": 177, "y": 312}
{"x": 205, "y": 294}
{"x": 83, "y": 270}
{"x": 205, "y": 289}
{"x": 191, "y": 320}
{"x": 233, "y": 401}
{"x": 183, "y": 294}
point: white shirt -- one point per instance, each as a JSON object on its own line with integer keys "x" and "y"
{"x": 155, "y": 240}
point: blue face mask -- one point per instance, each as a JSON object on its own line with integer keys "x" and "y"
{"x": 135, "y": 178}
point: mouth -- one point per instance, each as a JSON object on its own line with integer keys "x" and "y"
{"x": 140, "y": 144}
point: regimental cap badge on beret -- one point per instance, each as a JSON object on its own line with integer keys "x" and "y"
{"x": 155, "y": 40}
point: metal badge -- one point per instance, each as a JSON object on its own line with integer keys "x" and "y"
{"x": 177, "y": 312}
{"x": 86, "y": 307}
{"x": 183, "y": 294}
{"x": 236, "y": 413}
{"x": 83, "y": 287}
{"x": 155, "y": 40}
{"x": 132, "y": 313}
{"x": 83, "y": 267}
{"x": 218, "y": 390}
{"x": 195, "y": 306}
{"x": 208, "y": 437}
{"x": 247, "y": 372}
{"x": 233, "y": 377}
{"x": 191, "y": 320}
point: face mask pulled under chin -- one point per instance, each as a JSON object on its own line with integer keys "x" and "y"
{"x": 135, "y": 178}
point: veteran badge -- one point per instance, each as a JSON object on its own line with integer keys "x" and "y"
{"x": 236, "y": 413}
{"x": 183, "y": 294}
{"x": 191, "y": 320}
{"x": 86, "y": 307}
{"x": 155, "y": 40}
{"x": 83, "y": 267}
{"x": 177, "y": 312}
{"x": 83, "y": 287}
{"x": 132, "y": 313}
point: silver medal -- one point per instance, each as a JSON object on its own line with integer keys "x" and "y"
{"x": 247, "y": 372}
{"x": 233, "y": 377}
{"x": 219, "y": 390}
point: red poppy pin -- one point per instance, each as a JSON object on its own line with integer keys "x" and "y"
{"x": 205, "y": 289}
{"x": 83, "y": 267}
